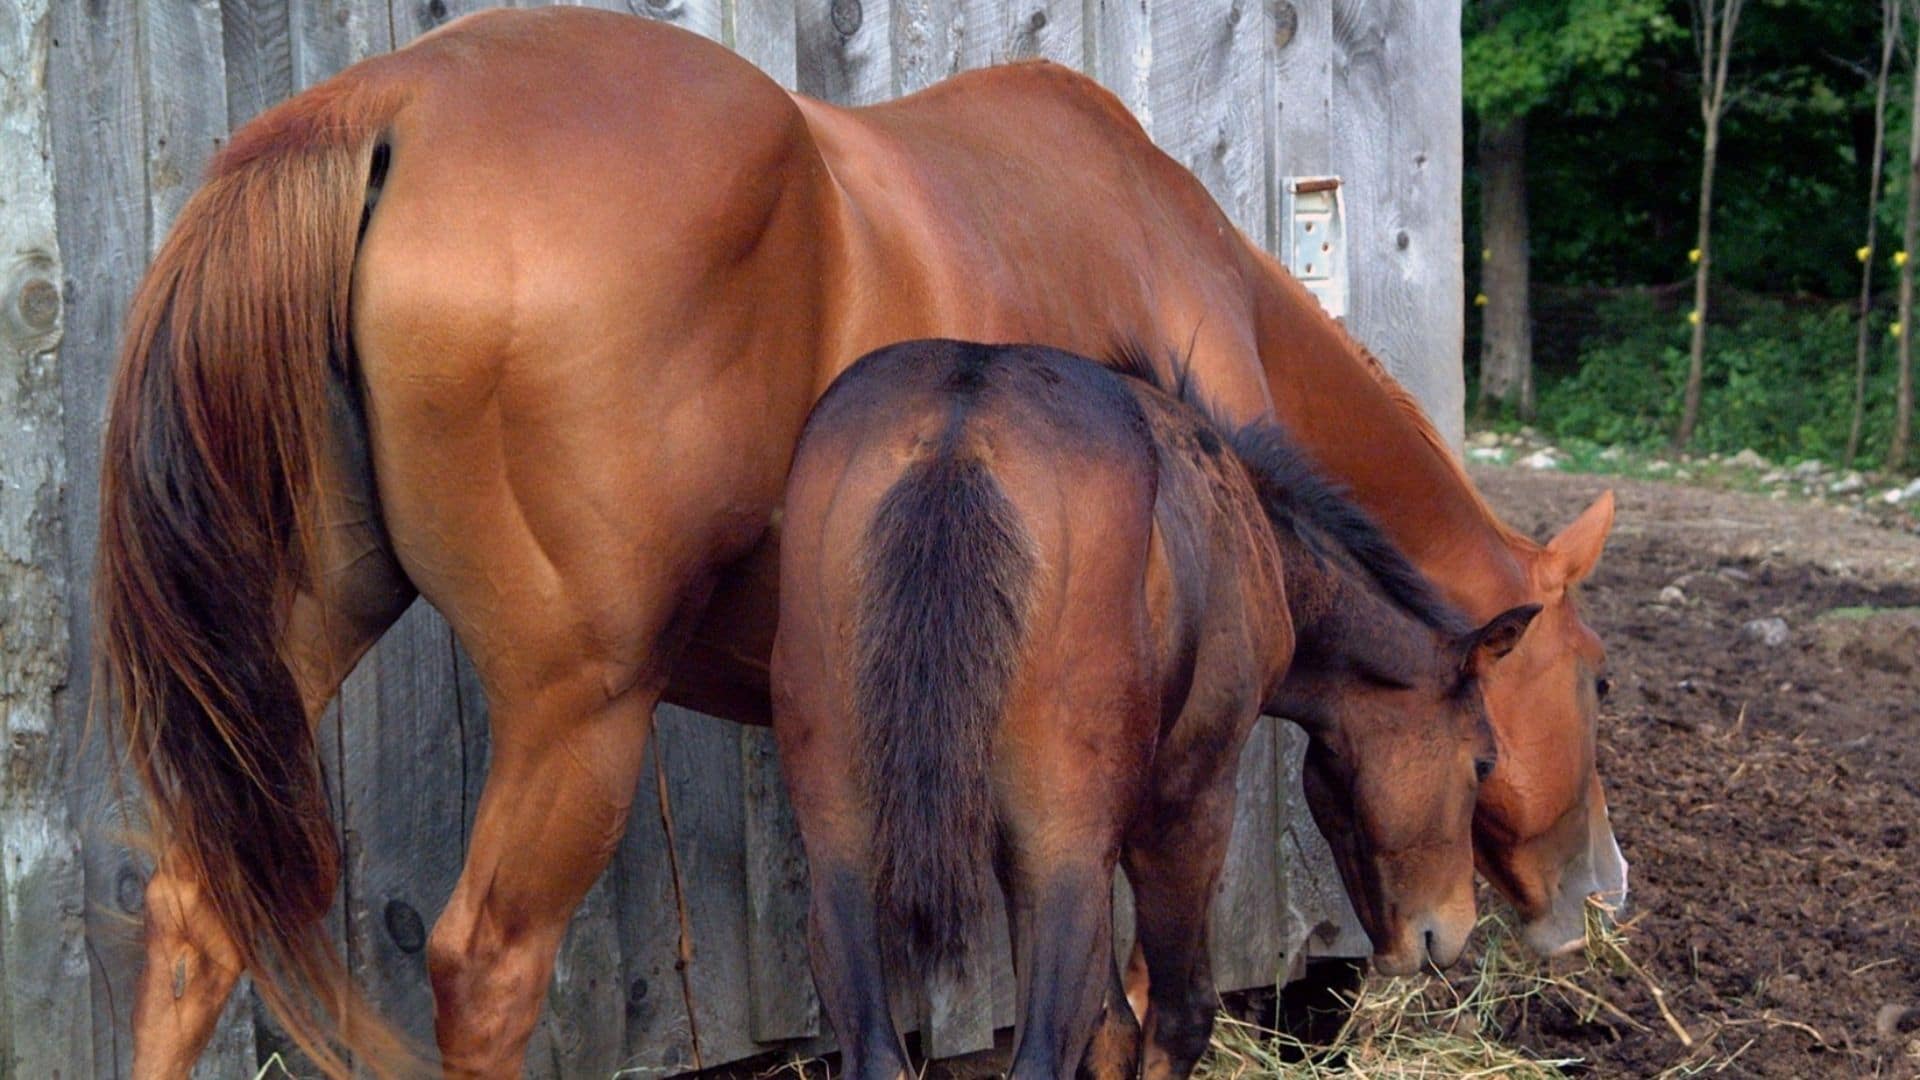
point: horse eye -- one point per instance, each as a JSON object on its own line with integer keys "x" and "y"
{"x": 1603, "y": 686}
{"x": 1482, "y": 769}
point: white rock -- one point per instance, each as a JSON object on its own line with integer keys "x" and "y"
{"x": 1659, "y": 466}
{"x": 1776, "y": 476}
{"x": 1848, "y": 484}
{"x": 1771, "y": 632}
{"x": 1673, "y": 595}
{"x": 1809, "y": 468}
{"x": 1541, "y": 459}
{"x": 1748, "y": 459}
{"x": 1486, "y": 453}
{"x": 1893, "y": 496}
{"x": 1911, "y": 491}
{"x": 1612, "y": 453}
{"x": 1484, "y": 438}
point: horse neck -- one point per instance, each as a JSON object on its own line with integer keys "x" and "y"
{"x": 1341, "y": 619}
{"x": 1365, "y": 431}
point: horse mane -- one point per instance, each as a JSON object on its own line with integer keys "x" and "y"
{"x": 1416, "y": 417}
{"x": 1294, "y": 491}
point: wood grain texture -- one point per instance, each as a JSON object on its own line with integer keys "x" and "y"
{"x": 327, "y": 35}
{"x": 1246, "y": 926}
{"x": 926, "y": 43}
{"x": 701, "y": 756}
{"x": 1003, "y": 31}
{"x": 1300, "y": 99}
{"x": 845, "y": 50}
{"x": 1205, "y": 91}
{"x": 1396, "y": 138}
{"x": 779, "y": 978}
{"x": 766, "y": 32}
{"x": 99, "y": 156}
{"x": 45, "y": 996}
{"x": 1316, "y": 917}
{"x": 659, "y": 1028}
{"x": 257, "y": 38}
{"x": 1119, "y": 43}
{"x": 403, "y": 809}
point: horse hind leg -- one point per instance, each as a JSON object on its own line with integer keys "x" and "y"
{"x": 1173, "y": 861}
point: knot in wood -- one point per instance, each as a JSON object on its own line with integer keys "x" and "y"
{"x": 846, "y": 16}
{"x": 1286, "y": 23}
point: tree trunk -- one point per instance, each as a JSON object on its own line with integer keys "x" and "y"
{"x": 1889, "y": 25}
{"x": 1506, "y": 329}
{"x": 1903, "y": 393}
{"x": 1696, "y": 363}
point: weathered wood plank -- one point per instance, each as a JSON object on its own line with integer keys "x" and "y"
{"x": 926, "y": 43}
{"x": 46, "y": 1011}
{"x": 1316, "y": 917}
{"x": 708, "y": 18}
{"x": 328, "y": 35}
{"x": 1246, "y": 921}
{"x": 186, "y": 91}
{"x": 1002, "y": 31}
{"x": 701, "y": 756}
{"x": 1396, "y": 138}
{"x": 767, "y": 33}
{"x": 779, "y": 979}
{"x": 1205, "y": 93}
{"x": 403, "y": 810}
{"x": 1121, "y": 43}
{"x": 258, "y": 39}
{"x": 99, "y": 148}
{"x": 1299, "y": 101}
{"x": 659, "y": 1029}
{"x": 845, "y": 50}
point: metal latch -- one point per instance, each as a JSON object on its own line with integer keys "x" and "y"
{"x": 1313, "y": 238}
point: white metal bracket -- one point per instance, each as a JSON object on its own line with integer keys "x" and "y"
{"x": 1313, "y": 238}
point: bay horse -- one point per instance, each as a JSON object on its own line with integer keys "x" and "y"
{"x": 525, "y": 318}
{"x": 1029, "y": 611}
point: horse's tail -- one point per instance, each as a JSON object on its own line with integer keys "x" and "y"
{"x": 942, "y": 618}
{"x": 215, "y": 435}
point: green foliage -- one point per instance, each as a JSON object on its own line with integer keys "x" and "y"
{"x": 1613, "y": 141}
{"x": 1518, "y": 52}
{"x": 1778, "y": 380}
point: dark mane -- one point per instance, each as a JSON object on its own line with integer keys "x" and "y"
{"x": 1296, "y": 493}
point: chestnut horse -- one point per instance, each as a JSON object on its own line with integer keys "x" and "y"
{"x": 525, "y": 319}
{"x": 1029, "y": 610}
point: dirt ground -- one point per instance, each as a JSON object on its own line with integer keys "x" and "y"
{"x": 1766, "y": 793}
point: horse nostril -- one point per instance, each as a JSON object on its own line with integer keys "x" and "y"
{"x": 1431, "y": 945}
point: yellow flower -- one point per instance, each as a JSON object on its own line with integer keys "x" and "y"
{"x": 1693, "y": 317}
{"x": 1485, "y": 254}
{"x": 1480, "y": 300}
{"x": 1894, "y": 329}
{"x": 1862, "y": 253}
{"x": 1693, "y": 256}
{"x": 1899, "y": 258}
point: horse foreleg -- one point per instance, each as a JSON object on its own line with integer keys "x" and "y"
{"x": 563, "y": 774}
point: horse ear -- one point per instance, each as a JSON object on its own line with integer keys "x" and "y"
{"x": 1496, "y": 639}
{"x": 1572, "y": 555}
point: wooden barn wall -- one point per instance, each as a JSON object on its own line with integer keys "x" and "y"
{"x": 109, "y": 109}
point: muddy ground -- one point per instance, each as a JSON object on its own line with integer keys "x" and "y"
{"x": 1766, "y": 792}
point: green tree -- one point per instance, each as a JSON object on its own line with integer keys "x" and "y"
{"x": 1517, "y": 54}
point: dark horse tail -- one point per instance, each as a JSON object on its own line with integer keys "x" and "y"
{"x": 209, "y": 514}
{"x": 942, "y": 615}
